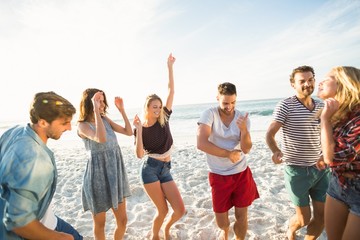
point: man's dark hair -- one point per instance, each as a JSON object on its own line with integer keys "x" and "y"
{"x": 50, "y": 106}
{"x": 227, "y": 88}
{"x": 301, "y": 69}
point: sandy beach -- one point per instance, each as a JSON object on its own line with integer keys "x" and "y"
{"x": 268, "y": 216}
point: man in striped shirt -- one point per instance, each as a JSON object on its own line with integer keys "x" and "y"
{"x": 305, "y": 173}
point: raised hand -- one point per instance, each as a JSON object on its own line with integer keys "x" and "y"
{"x": 241, "y": 122}
{"x": 96, "y": 101}
{"x": 171, "y": 60}
{"x": 137, "y": 122}
{"x": 119, "y": 103}
{"x": 331, "y": 105}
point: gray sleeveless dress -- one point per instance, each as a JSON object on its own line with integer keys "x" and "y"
{"x": 105, "y": 180}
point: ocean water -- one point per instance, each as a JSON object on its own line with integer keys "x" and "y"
{"x": 184, "y": 119}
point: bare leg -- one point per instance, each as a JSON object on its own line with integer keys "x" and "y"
{"x": 156, "y": 195}
{"x": 316, "y": 225}
{"x": 121, "y": 220}
{"x": 352, "y": 229}
{"x": 173, "y": 196}
{"x": 222, "y": 220}
{"x": 99, "y": 226}
{"x": 300, "y": 219}
{"x": 241, "y": 223}
{"x": 336, "y": 215}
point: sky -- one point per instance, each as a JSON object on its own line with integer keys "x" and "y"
{"x": 122, "y": 47}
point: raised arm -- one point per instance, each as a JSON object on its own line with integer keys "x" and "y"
{"x": 119, "y": 103}
{"x": 327, "y": 140}
{"x": 99, "y": 133}
{"x": 139, "y": 146}
{"x": 245, "y": 138}
{"x": 171, "y": 89}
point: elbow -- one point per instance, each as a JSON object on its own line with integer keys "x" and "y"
{"x": 247, "y": 149}
{"x": 101, "y": 140}
{"x": 200, "y": 145}
{"x": 139, "y": 154}
{"x": 268, "y": 137}
{"x": 129, "y": 133}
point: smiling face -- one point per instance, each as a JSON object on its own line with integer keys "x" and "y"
{"x": 227, "y": 103}
{"x": 102, "y": 105}
{"x": 304, "y": 83}
{"x": 154, "y": 109}
{"x": 328, "y": 87}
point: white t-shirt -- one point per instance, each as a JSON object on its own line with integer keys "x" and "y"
{"x": 49, "y": 220}
{"x": 224, "y": 137}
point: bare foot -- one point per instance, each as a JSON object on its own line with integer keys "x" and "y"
{"x": 151, "y": 236}
{"x": 290, "y": 235}
{"x": 223, "y": 235}
{"x": 155, "y": 238}
{"x": 167, "y": 233}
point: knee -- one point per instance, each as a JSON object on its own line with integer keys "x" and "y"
{"x": 99, "y": 225}
{"x": 123, "y": 221}
{"x": 319, "y": 217}
{"x": 180, "y": 212}
{"x": 223, "y": 225}
{"x": 162, "y": 213}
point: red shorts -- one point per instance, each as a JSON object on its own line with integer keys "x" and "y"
{"x": 237, "y": 190}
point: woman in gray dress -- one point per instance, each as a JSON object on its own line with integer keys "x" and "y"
{"x": 105, "y": 182}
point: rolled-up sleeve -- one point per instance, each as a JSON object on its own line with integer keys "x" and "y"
{"x": 25, "y": 185}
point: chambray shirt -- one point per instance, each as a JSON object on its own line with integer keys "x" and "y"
{"x": 28, "y": 178}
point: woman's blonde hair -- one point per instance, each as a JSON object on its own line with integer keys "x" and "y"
{"x": 348, "y": 90}
{"x": 162, "y": 118}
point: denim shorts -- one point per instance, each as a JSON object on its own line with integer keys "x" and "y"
{"x": 304, "y": 182}
{"x": 349, "y": 195}
{"x": 155, "y": 170}
{"x": 65, "y": 227}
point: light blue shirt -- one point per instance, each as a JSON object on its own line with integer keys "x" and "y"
{"x": 28, "y": 177}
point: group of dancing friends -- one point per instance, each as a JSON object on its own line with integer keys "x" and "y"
{"x": 320, "y": 147}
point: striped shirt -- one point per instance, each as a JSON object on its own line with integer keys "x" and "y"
{"x": 300, "y": 131}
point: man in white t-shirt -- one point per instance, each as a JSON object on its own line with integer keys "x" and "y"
{"x": 223, "y": 134}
